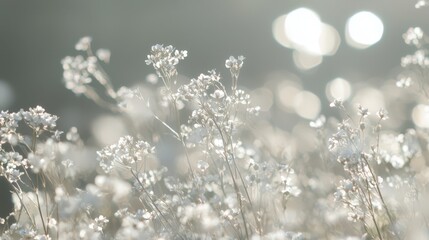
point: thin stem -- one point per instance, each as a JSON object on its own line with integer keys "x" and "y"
{"x": 40, "y": 209}
{"x": 371, "y": 211}
{"x": 225, "y": 143}
{"x": 382, "y": 199}
{"x": 236, "y": 188}
{"x": 167, "y": 80}
{"x": 151, "y": 199}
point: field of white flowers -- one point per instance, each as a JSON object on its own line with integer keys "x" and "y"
{"x": 230, "y": 173}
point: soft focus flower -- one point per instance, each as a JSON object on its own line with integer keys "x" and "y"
{"x": 234, "y": 65}
{"x": 83, "y": 44}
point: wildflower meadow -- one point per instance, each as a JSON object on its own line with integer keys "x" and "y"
{"x": 201, "y": 159}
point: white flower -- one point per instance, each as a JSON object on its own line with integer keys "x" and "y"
{"x": 202, "y": 165}
{"x": 42, "y": 237}
{"x": 127, "y": 151}
{"x": 234, "y": 65}
{"x": 318, "y": 123}
{"x": 363, "y": 111}
{"x": 337, "y": 103}
{"x": 103, "y": 55}
{"x": 99, "y": 223}
{"x": 413, "y": 36}
{"x": 83, "y": 44}
{"x": 382, "y": 114}
{"x": 164, "y": 60}
{"x": 37, "y": 119}
{"x": 404, "y": 82}
{"x": 13, "y": 175}
{"x": 38, "y": 163}
{"x": 218, "y": 94}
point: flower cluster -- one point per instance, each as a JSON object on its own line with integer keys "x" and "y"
{"x": 164, "y": 60}
{"x": 76, "y": 73}
{"x": 234, "y": 65}
{"x": 32, "y": 165}
{"x": 81, "y": 71}
{"x": 38, "y": 120}
{"x": 414, "y": 36}
{"x": 415, "y": 65}
{"x": 360, "y": 192}
{"x": 127, "y": 153}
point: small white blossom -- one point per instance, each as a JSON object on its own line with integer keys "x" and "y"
{"x": 362, "y": 111}
{"x": 38, "y": 163}
{"x": 103, "y": 54}
{"x": 99, "y": 223}
{"x": 126, "y": 152}
{"x": 73, "y": 135}
{"x": 413, "y": 36}
{"x": 319, "y": 122}
{"x": 234, "y": 65}
{"x": 13, "y": 139}
{"x": 13, "y": 175}
{"x": 83, "y": 44}
{"x": 164, "y": 60}
{"x": 337, "y": 103}
{"x": 152, "y": 78}
{"x": 202, "y": 165}
{"x": 217, "y": 94}
{"x": 42, "y": 237}
{"x": 75, "y": 74}
{"x": 404, "y": 82}
{"x": 382, "y": 114}
{"x": 38, "y": 119}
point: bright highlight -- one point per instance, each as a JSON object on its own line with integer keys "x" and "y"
{"x": 303, "y": 27}
{"x": 363, "y": 30}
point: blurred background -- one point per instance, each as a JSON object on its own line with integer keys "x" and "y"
{"x": 299, "y": 54}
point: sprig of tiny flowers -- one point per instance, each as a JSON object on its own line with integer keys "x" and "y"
{"x": 36, "y": 119}
{"x": 234, "y": 65}
{"x": 360, "y": 191}
{"x": 416, "y": 64}
{"x": 164, "y": 61}
{"x": 81, "y": 71}
{"x": 30, "y": 165}
{"x": 370, "y": 158}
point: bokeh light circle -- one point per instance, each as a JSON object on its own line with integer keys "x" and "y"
{"x": 307, "y": 105}
{"x": 303, "y": 27}
{"x": 420, "y": 115}
{"x": 108, "y": 129}
{"x": 305, "y": 61}
{"x": 303, "y": 31}
{"x": 364, "y": 29}
{"x": 338, "y": 88}
{"x": 371, "y": 98}
{"x": 286, "y": 93}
